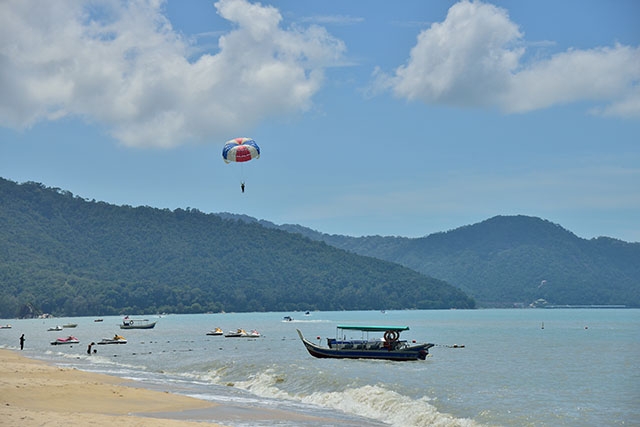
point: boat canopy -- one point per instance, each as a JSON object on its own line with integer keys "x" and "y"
{"x": 373, "y": 328}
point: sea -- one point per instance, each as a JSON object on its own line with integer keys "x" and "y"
{"x": 489, "y": 367}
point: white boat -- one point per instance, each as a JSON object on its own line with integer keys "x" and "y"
{"x": 55, "y": 328}
{"x": 117, "y": 339}
{"x": 236, "y": 334}
{"x": 69, "y": 340}
{"x": 137, "y": 324}
{"x": 241, "y": 333}
{"x": 216, "y": 331}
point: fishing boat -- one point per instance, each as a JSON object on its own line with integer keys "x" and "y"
{"x": 117, "y": 339}
{"x": 389, "y": 347}
{"x": 137, "y": 324}
{"x": 216, "y": 331}
{"x": 69, "y": 340}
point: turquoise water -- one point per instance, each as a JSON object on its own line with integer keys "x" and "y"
{"x": 582, "y": 369}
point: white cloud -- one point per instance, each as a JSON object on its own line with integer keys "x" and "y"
{"x": 334, "y": 19}
{"x": 121, "y": 64}
{"x": 474, "y": 58}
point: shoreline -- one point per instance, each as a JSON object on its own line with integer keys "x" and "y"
{"x": 35, "y": 393}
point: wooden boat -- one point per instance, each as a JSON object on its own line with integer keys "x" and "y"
{"x": 137, "y": 324}
{"x": 216, "y": 331}
{"x": 390, "y": 347}
{"x": 69, "y": 340}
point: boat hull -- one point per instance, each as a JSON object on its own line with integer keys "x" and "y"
{"x": 416, "y": 352}
{"x": 65, "y": 342}
{"x": 139, "y": 326}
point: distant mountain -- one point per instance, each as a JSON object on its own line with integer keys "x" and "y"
{"x": 509, "y": 260}
{"x": 65, "y": 255}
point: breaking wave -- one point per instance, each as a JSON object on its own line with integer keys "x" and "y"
{"x": 371, "y": 401}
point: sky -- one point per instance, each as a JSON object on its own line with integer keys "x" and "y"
{"x": 373, "y": 117}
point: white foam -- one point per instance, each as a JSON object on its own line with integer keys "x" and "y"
{"x": 370, "y": 401}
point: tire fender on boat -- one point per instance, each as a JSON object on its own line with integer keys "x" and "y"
{"x": 391, "y": 336}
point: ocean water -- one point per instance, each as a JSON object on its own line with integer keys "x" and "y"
{"x": 581, "y": 369}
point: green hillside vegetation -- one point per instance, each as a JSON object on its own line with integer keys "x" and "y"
{"x": 65, "y": 255}
{"x": 509, "y": 260}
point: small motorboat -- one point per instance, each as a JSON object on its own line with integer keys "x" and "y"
{"x": 5, "y": 326}
{"x": 253, "y": 334}
{"x": 98, "y": 320}
{"x": 117, "y": 339}
{"x": 236, "y": 334}
{"x": 128, "y": 323}
{"x": 55, "y": 328}
{"x": 68, "y": 340}
{"x": 70, "y": 325}
{"x": 287, "y": 319}
{"x": 216, "y": 331}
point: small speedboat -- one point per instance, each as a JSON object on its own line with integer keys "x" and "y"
{"x": 5, "y": 326}
{"x": 68, "y": 340}
{"x": 216, "y": 331}
{"x": 236, "y": 334}
{"x": 70, "y": 325}
{"x": 117, "y": 339}
{"x": 287, "y": 319}
{"x": 253, "y": 334}
{"x": 128, "y": 323}
{"x": 55, "y": 328}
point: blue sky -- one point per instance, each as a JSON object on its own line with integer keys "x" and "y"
{"x": 373, "y": 117}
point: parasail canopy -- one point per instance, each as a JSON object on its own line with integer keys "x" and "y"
{"x": 240, "y": 150}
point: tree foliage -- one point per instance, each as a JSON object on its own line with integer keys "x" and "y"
{"x": 513, "y": 259}
{"x": 65, "y": 255}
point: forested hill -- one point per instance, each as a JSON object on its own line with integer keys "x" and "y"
{"x": 509, "y": 260}
{"x": 65, "y": 255}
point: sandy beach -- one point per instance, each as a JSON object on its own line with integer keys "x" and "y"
{"x": 36, "y": 394}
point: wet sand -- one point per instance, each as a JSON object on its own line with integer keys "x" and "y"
{"x": 34, "y": 393}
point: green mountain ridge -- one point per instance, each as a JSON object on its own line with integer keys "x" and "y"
{"x": 65, "y": 255}
{"x": 507, "y": 260}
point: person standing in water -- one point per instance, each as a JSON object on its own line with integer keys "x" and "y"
{"x": 21, "y": 341}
